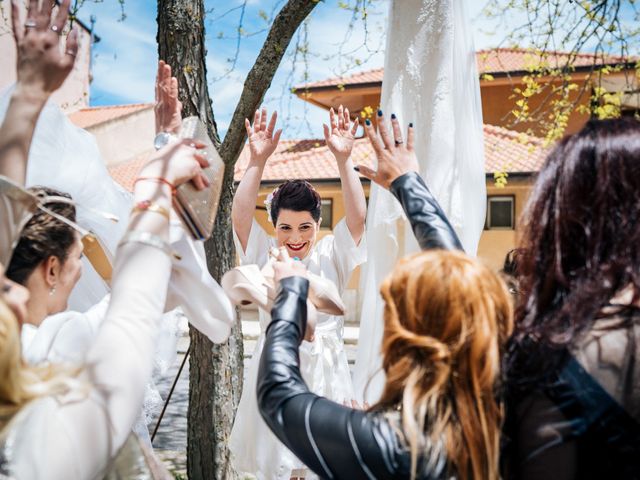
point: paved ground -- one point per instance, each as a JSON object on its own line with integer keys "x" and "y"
{"x": 171, "y": 440}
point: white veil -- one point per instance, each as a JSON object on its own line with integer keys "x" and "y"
{"x": 430, "y": 79}
{"x": 66, "y": 157}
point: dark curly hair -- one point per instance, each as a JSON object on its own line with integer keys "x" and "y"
{"x": 296, "y": 195}
{"x": 43, "y": 236}
{"x": 581, "y": 243}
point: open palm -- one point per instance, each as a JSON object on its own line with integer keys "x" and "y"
{"x": 341, "y": 136}
{"x": 262, "y": 139}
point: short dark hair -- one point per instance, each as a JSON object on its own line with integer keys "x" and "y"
{"x": 296, "y": 195}
{"x": 42, "y": 237}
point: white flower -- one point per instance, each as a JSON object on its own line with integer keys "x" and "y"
{"x": 267, "y": 203}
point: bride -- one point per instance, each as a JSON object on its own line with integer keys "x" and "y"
{"x": 294, "y": 210}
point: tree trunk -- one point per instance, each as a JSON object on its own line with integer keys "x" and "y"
{"x": 215, "y": 376}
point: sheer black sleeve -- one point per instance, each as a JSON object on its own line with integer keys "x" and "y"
{"x": 428, "y": 221}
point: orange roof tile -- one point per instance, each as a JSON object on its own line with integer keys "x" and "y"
{"x": 492, "y": 61}
{"x": 505, "y": 150}
{"x": 89, "y": 117}
{"x": 125, "y": 173}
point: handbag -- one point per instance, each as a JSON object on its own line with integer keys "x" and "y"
{"x": 197, "y": 209}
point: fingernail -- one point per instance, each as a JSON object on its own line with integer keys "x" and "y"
{"x": 379, "y": 112}
{"x": 411, "y": 125}
{"x": 296, "y": 258}
{"x": 393, "y": 116}
{"x": 356, "y": 168}
{"x": 367, "y": 121}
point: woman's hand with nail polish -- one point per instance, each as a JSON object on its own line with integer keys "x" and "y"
{"x": 395, "y": 157}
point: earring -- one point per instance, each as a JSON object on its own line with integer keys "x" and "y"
{"x": 52, "y": 290}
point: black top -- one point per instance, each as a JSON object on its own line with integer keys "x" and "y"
{"x": 333, "y": 440}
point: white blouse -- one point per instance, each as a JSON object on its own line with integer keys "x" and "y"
{"x": 75, "y": 435}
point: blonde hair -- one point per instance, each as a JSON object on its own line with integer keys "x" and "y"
{"x": 22, "y": 383}
{"x": 447, "y": 318}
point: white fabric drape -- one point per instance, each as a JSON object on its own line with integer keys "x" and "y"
{"x": 430, "y": 79}
{"x": 66, "y": 157}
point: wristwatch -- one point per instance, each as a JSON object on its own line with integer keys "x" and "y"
{"x": 162, "y": 139}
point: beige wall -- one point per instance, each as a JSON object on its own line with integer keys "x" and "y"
{"x": 74, "y": 93}
{"x": 495, "y": 244}
{"x": 134, "y": 134}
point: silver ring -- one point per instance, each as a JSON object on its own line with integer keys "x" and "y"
{"x": 398, "y": 142}
{"x": 56, "y": 29}
{"x": 30, "y": 23}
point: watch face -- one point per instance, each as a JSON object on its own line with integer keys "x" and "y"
{"x": 161, "y": 140}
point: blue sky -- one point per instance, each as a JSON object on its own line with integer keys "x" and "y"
{"x": 124, "y": 61}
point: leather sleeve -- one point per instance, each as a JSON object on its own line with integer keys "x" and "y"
{"x": 332, "y": 440}
{"x": 428, "y": 221}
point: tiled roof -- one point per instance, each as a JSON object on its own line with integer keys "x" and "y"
{"x": 493, "y": 61}
{"x": 89, "y": 117}
{"x": 126, "y": 172}
{"x": 505, "y": 150}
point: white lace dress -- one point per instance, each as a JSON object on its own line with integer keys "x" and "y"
{"x": 323, "y": 362}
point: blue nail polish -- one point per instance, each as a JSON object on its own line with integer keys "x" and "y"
{"x": 367, "y": 121}
{"x": 411, "y": 125}
{"x": 379, "y": 112}
{"x": 296, "y": 258}
{"x": 393, "y": 116}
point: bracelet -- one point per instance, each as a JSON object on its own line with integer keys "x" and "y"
{"x": 146, "y": 238}
{"x": 149, "y": 206}
{"x": 158, "y": 180}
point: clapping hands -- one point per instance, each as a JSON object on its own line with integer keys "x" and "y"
{"x": 341, "y": 136}
{"x": 42, "y": 67}
{"x": 262, "y": 139}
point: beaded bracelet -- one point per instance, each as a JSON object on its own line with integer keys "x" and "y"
{"x": 158, "y": 180}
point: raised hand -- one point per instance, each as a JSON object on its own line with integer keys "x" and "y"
{"x": 262, "y": 139}
{"x": 341, "y": 136}
{"x": 167, "y": 108}
{"x": 178, "y": 162}
{"x": 395, "y": 158}
{"x": 41, "y": 66}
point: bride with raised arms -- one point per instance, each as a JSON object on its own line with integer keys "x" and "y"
{"x": 294, "y": 210}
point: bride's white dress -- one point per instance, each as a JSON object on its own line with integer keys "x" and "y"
{"x": 323, "y": 361}
{"x": 430, "y": 79}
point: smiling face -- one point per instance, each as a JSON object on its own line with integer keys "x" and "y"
{"x": 297, "y": 231}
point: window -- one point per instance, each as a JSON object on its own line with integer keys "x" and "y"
{"x": 326, "y": 212}
{"x": 500, "y": 213}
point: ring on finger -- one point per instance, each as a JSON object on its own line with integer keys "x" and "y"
{"x": 56, "y": 29}
{"x": 30, "y": 23}
{"x": 398, "y": 142}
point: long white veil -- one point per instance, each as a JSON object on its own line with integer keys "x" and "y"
{"x": 67, "y": 158}
{"x": 430, "y": 79}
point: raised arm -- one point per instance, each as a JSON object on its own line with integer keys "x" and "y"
{"x": 41, "y": 69}
{"x": 332, "y": 440}
{"x": 340, "y": 138}
{"x": 398, "y": 172}
{"x": 262, "y": 143}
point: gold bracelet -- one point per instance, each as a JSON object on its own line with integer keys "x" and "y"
{"x": 149, "y": 206}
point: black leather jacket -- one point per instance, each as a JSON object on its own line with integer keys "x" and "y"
{"x": 333, "y": 440}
